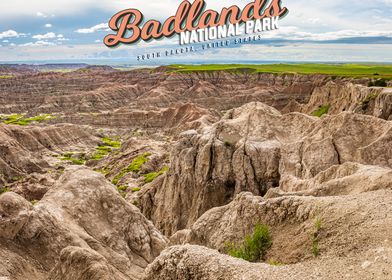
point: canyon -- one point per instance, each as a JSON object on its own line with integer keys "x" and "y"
{"x": 154, "y": 173}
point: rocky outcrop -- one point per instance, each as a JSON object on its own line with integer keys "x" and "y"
{"x": 81, "y": 229}
{"x": 174, "y": 119}
{"x": 25, "y": 150}
{"x": 194, "y": 262}
{"x": 255, "y": 148}
{"x": 290, "y": 216}
{"x": 349, "y": 97}
{"x": 99, "y": 90}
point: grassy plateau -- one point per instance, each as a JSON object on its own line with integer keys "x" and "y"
{"x": 345, "y": 70}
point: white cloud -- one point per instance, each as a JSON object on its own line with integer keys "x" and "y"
{"x": 49, "y": 35}
{"x": 96, "y": 28}
{"x": 48, "y": 25}
{"x": 43, "y": 15}
{"x": 10, "y": 34}
{"x": 6, "y": 41}
{"x": 39, "y": 43}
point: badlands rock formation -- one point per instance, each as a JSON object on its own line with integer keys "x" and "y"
{"x": 188, "y": 163}
{"x": 255, "y": 148}
{"x": 81, "y": 229}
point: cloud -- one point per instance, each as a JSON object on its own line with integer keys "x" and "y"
{"x": 39, "y": 43}
{"x": 49, "y": 35}
{"x": 10, "y": 34}
{"x": 43, "y": 15}
{"x": 48, "y": 25}
{"x": 96, "y": 28}
{"x": 6, "y": 41}
{"x": 60, "y": 37}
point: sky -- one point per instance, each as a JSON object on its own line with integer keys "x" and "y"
{"x": 316, "y": 31}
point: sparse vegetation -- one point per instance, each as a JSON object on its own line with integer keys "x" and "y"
{"x": 20, "y": 119}
{"x": 81, "y": 160}
{"x": 378, "y": 83}
{"x": 315, "y": 237}
{"x": 274, "y": 263}
{"x": 34, "y": 202}
{"x": 255, "y": 245}
{"x": 322, "y": 110}
{"x": 365, "y": 102}
{"x": 105, "y": 148}
{"x": 122, "y": 190}
{"x": 227, "y": 143}
{"x": 135, "y": 166}
{"x": 136, "y": 189}
{"x": 4, "y": 190}
{"x": 148, "y": 178}
{"x": 5, "y": 77}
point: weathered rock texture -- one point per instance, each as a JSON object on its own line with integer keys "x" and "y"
{"x": 25, "y": 150}
{"x": 348, "y": 97}
{"x": 81, "y": 229}
{"x": 194, "y": 262}
{"x": 255, "y": 148}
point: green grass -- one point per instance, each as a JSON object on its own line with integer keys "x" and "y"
{"x": 322, "y": 110}
{"x": 351, "y": 70}
{"x": 71, "y": 158}
{"x": 4, "y": 190}
{"x": 315, "y": 237}
{"x": 254, "y": 247}
{"x": 148, "y": 178}
{"x": 135, "y": 166}
{"x": 105, "y": 148}
{"x": 136, "y": 189}
{"x": 122, "y": 190}
{"x": 19, "y": 119}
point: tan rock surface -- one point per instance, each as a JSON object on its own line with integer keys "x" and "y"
{"x": 81, "y": 223}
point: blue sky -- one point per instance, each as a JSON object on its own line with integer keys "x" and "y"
{"x": 72, "y": 30}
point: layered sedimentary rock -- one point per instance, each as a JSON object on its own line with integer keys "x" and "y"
{"x": 95, "y": 90}
{"x": 174, "y": 119}
{"x": 81, "y": 229}
{"x": 348, "y": 97}
{"x": 25, "y": 150}
{"x": 256, "y": 148}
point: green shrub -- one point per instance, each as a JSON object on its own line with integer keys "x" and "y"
{"x": 136, "y": 189}
{"x": 138, "y": 162}
{"x": 227, "y": 143}
{"x": 378, "y": 83}
{"x": 315, "y": 238}
{"x": 135, "y": 166}
{"x": 322, "y": 110}
{"x": 122, "y": 190}
{"x": 4, "y": 190}
{"x": 34, "y": 202}
{"x": 148, "y": 178}
{"x": 255, "y": 245}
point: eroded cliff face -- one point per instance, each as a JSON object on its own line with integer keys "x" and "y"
{"x": 349, "y": 97}
{"x": 255, "y": 148}
{"x": 81, "y": 229}
{"x": 27, "y": 150}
